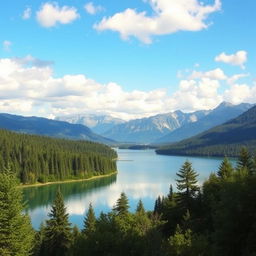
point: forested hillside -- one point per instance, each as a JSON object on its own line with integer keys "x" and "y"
{"x": 49, "y": 127}
{"x": 216, "y": 219}
{"x": 222, "y": 140}
{"x": 41, "y": 159}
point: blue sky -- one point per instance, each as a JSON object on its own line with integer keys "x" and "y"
{"x": 167, "y": 49}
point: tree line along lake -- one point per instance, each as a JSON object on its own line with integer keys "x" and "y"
{"x": 142, "y": 174}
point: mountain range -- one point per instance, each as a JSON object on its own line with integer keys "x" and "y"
{"x": 226, "y": 139}
{"x": 48, "y": 127}
{"x": 221, "y": 114}
{"x": 97, "y": 123}
{"x": 158, "y": 129}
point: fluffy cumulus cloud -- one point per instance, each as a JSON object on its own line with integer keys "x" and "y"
{"x": 169, "y": 16}
{"x": 28, "y": 86}
{"x": 27, "y": 13}
{"x": 51, "y": 14}
{"x": 93, "y": 9}
{"x": 217, "y": 74}
{"x": 237, "y": 59}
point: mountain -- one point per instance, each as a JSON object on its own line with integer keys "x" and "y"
{"x": 224, "y": 112}
{"x": 149, "y": 129}
{"x": 48, "y": 127}
{"x": 97, "y": 123}
{"x": 226, "y": 139}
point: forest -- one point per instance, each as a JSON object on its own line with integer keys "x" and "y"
{"x": 217, "y": 218}
{"x": 43, "y": 159}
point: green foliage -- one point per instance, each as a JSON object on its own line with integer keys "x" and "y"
{"x": 16, "y": 234}
{"x": 89, "y": 222}
{"x": 225, "y": 170}
{"x": 186, "y": 185}
{"x": 140, "y": 208}
{"x": 245, "y": 161}
{"x": 181, "y": 242}
{"x": 42, "y": 159}
{"x": 57, "y": 233}
{"x": 122, "y": 205}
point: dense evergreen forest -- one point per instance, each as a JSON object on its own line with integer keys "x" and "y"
{"x": 216, "y": 219}
{"x": 42, "y": 159}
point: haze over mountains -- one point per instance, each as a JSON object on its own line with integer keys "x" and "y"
{"x": 162, "y": 128}
{"x": 226, "y": 139}
{"x": 48, "y": 127}
{"x": 98, "y": 123}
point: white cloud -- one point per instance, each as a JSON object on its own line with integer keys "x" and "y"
{"x": 30, "y": 89}
{"x": 237, "y": 59}
{"x": 7, "y": 45}
{"x": 169, "y": 17}
{"x": 27, "y": 13}
{"x": 51, "y": 14}
{"x": 231, "y": 80}
{"x": 217, "y": 74}
{"x": 93, "y": 9}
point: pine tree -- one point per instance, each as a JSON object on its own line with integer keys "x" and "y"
{"x": 122, "y": 205}
{"x": 16, "y": 233}
{"x": 170, "y": 195}
{"x": 225, "y": 169}
{"x": 140, "y": 208}
{"x": 89, "y": 221}
{"x": 186, "y": 185}
{"x": 57, "y": 231}
{"x": 245, "y": 161}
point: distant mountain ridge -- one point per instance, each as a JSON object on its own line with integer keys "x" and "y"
{"x": 221, "y": 114}
{"x": 146, "y": 130}
{"x": 97, "y": 123}
{"x": 49, "y": 127}
{"x": 226, "y": 139}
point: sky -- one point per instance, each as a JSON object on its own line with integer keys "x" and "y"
{"x": 129, "y": 59}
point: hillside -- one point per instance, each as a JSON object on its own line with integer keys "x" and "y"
{"x": 48, "y": 127}
{"x": 226, "y": 139}
{"x": 147, "y": 130}
{"x": 221, "y": 114}
{"x": 36, "y": 158}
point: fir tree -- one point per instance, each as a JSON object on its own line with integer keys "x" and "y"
{"x": 186, "y": 185}
{"x": 140, "y": 208}
{"x": 16, "y": 234}
{"x": 57, "y": 231}
{"x": 170, "y": 195}
{"x": 245, "y": 161}
{"x": 122, "y": 205}
{"x": 89, "y": 221}
{"x": 225, "y": 169}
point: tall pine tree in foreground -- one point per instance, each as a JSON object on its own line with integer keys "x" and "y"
{"x": 186, "y": 185}
{"x": 245, "y": 161}
{"x": 89, "y": 221}
{"x": 16, "y": 234}
{"x": 58, "y": 238}
{"x": 225, "y": 170}
{"x": 122, "y": 205}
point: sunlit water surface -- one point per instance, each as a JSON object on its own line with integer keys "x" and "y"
{"x": 142, "y": 174}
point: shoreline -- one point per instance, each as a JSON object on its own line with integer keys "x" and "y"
{"x": 67, "y": 181}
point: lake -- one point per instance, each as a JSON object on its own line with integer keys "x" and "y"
{"x": 142, "y": 174}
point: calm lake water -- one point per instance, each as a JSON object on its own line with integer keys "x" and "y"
{"x": 141, "y": 175}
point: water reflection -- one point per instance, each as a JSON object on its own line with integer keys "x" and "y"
{"x": 142, "y": 175}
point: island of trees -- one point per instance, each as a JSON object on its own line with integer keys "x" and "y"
{"x": 42, "y": 159}
{"x": 216, "y": 219}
